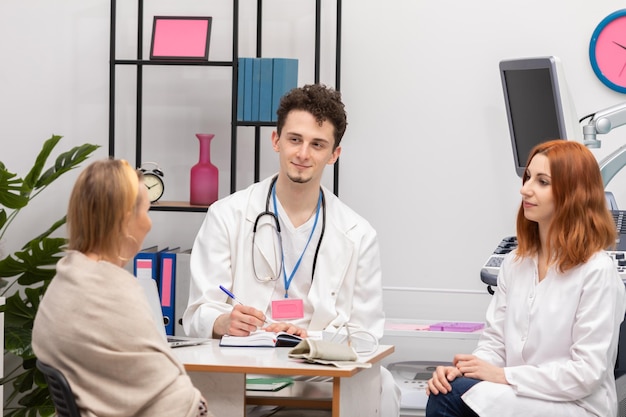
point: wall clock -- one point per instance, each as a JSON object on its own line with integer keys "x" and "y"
{"x": 153, "y": 179}
{"x": 607, "y": 51}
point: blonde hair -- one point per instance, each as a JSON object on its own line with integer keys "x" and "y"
{"x": 102, "y": 200}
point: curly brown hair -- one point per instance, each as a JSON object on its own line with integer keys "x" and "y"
{"x": 323, "y": 102}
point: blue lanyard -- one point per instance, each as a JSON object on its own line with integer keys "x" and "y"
{"x": 297, "y": 265}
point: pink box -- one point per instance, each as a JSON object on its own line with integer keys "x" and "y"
{"x": 449, "y": 326}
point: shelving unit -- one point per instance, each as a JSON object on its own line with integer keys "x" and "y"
{"x": 139, "y": 63}
{"x": 316, "y": 79}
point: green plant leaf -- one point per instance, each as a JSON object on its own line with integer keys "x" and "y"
{"x": 24, "y": 382}
{"x": 33, "y": 175}
{"x": 11, "y": 190}
{"x": 39, "y": 260}
{"x": 34, "y": 264}
{"x": 18, "y": 341}
{"x": 3, "y": 217}
{"x": 32, "y": 267}
{"x": 48, "y": 232}
{"x": 18, "y": 315}
{"x": 35, "y": 397}
{"x": 65, "y": 162}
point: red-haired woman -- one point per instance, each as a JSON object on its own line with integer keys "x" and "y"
{"x": 550, "y": 343}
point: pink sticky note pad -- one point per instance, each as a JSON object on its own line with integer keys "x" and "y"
{"x": 289, "y": 308}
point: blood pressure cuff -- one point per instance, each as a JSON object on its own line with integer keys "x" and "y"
{"x": 327, "y": 353}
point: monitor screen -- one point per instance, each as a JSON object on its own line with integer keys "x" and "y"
{"x": 537, "y": 104}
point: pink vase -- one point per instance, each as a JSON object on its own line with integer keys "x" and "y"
{"x": 204, "y": 175}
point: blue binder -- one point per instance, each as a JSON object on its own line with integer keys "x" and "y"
{"x": 167, "y": 287}
{"x": 285, "y": 78}
{"x": 241, "y": 66}
{"x": 265, "y": 90}
{"x": 256, "y": 88}
{"x": 247, "y": 89}
{"x": 146, "y": 263}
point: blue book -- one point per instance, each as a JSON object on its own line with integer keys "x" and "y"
{"x": 285, "y": 78}
{"x": 247, "y": 90}
{"x": 240, "y": 87}
{"x": 265, "y": 93}
{"x": 256, "y": 88}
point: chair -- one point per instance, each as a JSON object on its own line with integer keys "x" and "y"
{"x": 60, "y": 391}
{"x": 620, "y": 371}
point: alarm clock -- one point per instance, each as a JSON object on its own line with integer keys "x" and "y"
{"x": 607, "y": 51}
{"x": 153, "y": 179}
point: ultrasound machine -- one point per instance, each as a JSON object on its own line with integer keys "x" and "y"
{"x": 539, "y": 109}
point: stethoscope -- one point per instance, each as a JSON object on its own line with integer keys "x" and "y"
{"x": 276, "y": 223}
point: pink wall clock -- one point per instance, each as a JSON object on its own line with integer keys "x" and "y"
{"x": 607, "y": 51}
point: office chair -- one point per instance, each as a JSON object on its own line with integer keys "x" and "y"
{"x": 620, "y": 371}
{"x": 60, "y": 391}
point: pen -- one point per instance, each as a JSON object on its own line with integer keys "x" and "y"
{"x": 231, "y": 295}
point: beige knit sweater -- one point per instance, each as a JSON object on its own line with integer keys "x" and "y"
{"x": 94, "y": 324}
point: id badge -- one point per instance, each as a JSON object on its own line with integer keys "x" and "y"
{"x": 287, "y": 309}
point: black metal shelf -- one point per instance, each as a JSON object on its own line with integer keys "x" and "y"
{"x": 140, "y": 63}
{"x": 317, "y": 52}
{"x": 173, "y": 62}
{"x": 177, "y": 206}
{"x": 254, "y": 124}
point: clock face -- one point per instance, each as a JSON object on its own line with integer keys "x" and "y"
{"x": 607, "y": 51}
{"x": 155, "y": 186}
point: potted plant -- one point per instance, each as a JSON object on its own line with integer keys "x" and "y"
{"x": 32, "y": 268}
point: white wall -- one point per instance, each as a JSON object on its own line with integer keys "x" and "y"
{"x": 427, "y": 156}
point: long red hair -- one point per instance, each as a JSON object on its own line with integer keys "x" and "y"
{"x": 582, "y": 224}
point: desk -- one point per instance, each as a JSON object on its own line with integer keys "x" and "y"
{"x": 220, "y": 374}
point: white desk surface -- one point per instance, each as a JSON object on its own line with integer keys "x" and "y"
{"x": 219, "y": 373}
{"x": 211, "y": 357}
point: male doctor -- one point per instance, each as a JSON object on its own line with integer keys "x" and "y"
{"x": 294, "y": 255}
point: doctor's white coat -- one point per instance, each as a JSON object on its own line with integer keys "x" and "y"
{"x": 347, "y": 286}
{"x": 556, "y": 339}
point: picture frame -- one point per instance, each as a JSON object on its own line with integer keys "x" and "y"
{"x": 180, "y": 38}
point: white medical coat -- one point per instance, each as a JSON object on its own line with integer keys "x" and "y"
{"x": 556, "y": 339}
{"x": 347, "y": 286}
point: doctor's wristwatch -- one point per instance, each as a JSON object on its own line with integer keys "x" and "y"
{"x": 153, "y": 179}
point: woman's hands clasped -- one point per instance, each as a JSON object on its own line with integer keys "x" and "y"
{"x": 469, "y": 366}
{"x": 440, "y": 381}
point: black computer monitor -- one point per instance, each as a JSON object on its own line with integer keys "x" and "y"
{"x": 538, "y": 105}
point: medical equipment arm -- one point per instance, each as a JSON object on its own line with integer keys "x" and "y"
{"x": 603, "y": 122}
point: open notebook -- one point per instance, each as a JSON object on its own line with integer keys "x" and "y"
{"x": 152, "y": 294}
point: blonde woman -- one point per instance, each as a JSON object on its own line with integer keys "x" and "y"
{"x": 94, "y": 323}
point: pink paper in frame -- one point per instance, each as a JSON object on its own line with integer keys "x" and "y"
{"x": 176, "y": 37}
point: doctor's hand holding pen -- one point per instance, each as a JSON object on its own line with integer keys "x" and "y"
{"x": 244, "y": 319}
